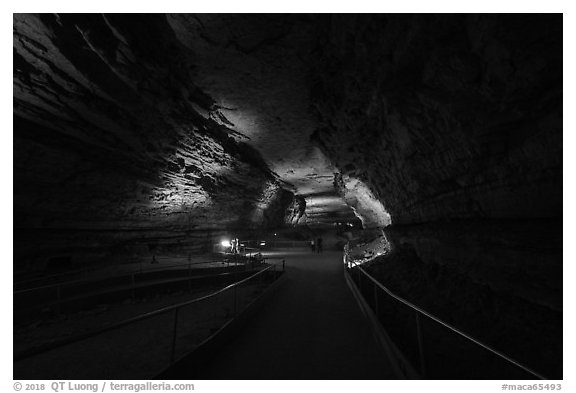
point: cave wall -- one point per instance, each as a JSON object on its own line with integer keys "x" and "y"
{"x": 449, "y": 118}
{"x": 455, "y": 124}
{"x": 135, "y": 134}
{"x": 446, "y": 116}
{"x": 116, "y": 151}
{"x": 497, "y": 281}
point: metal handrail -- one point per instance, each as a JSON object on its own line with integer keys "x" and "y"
{"x": 450, "y": 327}
{"x": 54, "y": 275}
{"x": 92, "y": 268}
{"x": 184, "y": 266}
{"x": 132, "y": 286}
{"x": 129, "y": 321}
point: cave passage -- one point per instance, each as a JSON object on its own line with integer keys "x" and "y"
{"x": 176, "y": 174}
{"x": 310, "y": 329}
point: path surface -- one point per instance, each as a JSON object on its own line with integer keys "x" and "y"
{"x": 310, "y": 328}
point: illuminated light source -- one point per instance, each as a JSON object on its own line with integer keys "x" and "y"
{"x": 262, "y": 243}
{"x": 225, "y": 243}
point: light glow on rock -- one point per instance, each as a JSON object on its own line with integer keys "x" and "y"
{"x": 365, "y": 204}
{"x": 365, "y": 251}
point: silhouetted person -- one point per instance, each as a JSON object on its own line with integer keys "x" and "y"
{"x": 234, "y": 246}
{"x": 319, "y": 245}
{"x": 312, "y": 247}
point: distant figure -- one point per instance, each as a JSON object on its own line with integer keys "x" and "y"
{"x": 312, "y": 247}
{"x": 154, "y": 259}
{"x": 234, "y": 246}
{"x": 319, "y": 245}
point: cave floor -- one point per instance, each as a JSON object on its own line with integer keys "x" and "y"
{"x": 134, "y": 351}
{"x": 310, "y": 328}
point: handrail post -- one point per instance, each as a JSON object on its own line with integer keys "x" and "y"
{"x": 174, "y": 334}
{"x": 376, "y": 301}
{"x": 235, "y": 302}
{"x": 419, "y": 331}
{"x": 420, "y": 344}
{"x": 165, "y": 312}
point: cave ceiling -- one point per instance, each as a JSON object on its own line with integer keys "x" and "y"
{"x": 165, "y": 115}
{"x": 262, "y": 120}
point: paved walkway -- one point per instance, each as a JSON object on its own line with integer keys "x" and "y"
{"x": 310, "y": 328}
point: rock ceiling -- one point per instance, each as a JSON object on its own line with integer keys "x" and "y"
{"x": 218, "y": 120}
{"x": 168, "y": 116}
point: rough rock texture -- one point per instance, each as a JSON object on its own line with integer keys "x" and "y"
{"x": 360, "y": 198}
{"x": 296, "y": 212}
{"x": 498, "y": 281}
{"x": 458, "y": 116}
{"x": 455, "y": 124}
{"x": 134, "y": 133}
{"x": 257, "y": 69}
{"x": 114, "y": 139}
